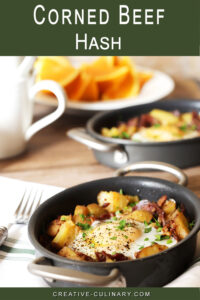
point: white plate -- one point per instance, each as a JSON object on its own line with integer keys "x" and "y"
{"x": 157, "y": 88}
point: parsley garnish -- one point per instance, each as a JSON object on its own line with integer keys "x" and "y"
{"x": 125, "y": 135}
{"x": 148, "y": 229}
{"x": 157, "y": 223}
{"x": 132, "y": 204}
{"x": 122, "y": 224}
{"x": 82, "y": 217}
{"x": 169, "y": 241}
{"x": 145, "y": 223}
{"x": 113, "y": 238}
{"x": 83, "y": 226}
{"x": 183, "y": 127}
{"x": 158, "y": 237}
{"x": 84, "y": 235}
{"x": 141, "y": 247}
{"x": 191, "y": 224}
{"x": 92, "y": 245}
{"x": 121, "y": 191}
{"x": 146, "y": 239}
{"x": 63, "y": 218}
{"x": 156, "y": 125}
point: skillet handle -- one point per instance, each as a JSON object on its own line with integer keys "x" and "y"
{"x": 154, "y": 165}
{"x": 69, "y": 275}
{"x": 80, "y": 135}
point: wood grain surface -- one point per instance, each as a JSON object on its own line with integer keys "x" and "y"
{"x": 52, "y": 158}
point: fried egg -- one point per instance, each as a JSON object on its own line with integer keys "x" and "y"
{"x": 118, "y": 236}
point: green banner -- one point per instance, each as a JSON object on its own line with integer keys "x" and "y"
{"x": 100, "y": 293}
{"x": 106, "y": 27}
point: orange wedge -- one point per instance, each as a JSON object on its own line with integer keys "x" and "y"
{"x": 56, "y": 68}
{"x": 127, "y": 88}
{"x": 144, "y": 77}
{"x": 75, "y": 90}
{"x": 91, "y": 92}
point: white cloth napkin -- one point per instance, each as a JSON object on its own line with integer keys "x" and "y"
{"x": 17, "y": 251}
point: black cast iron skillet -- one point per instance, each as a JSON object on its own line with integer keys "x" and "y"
{"x": 116, "y": 153}
{"x": 156, "y": 270}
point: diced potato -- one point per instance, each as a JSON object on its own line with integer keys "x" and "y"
{"x": 53, "y": 227}
{"x": 115, "y": 200}
{"x": 81, "y": 219}
{"x": 181, "y": 223}
{"x": 96, "y": 210}
{"x": 151, "y": 250}
{"x": 187, "y": 117}
{"x": 113, "y": 132}
{"x": 165, "y": 117}
{"x": 141, "y": 216}
{"x": 81, "y": 210}
{"x": 132, "y": 199}
{"x": 69, "y": 253}
{"x": 65, "y": 235}
{"x": 169, "y": 207}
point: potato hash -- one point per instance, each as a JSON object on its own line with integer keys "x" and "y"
{"x": 157, "y": 126}
{"x": 120, "y": 227}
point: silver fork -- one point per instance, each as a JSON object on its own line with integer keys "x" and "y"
{"x": 29, "y": 202}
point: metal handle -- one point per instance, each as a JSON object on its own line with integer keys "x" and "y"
{"x": 81, "y": 135}
{"x": 69, "y": 275}
{"x": 154, "y": 165}
{"x": 3, "y": 234}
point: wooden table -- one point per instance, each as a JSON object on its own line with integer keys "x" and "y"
{"x": 52, "y": 158}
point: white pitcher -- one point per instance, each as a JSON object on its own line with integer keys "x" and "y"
{"x": 16, "y": 104}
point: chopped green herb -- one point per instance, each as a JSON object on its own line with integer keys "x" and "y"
{"x": 191, "y": 224}
{"x": 157, "y": 223}
{"x": 63, "y": 218}
{"x": 125, "y": 135}
{"x": 158, "y": 237}
{"x": 148, "y": 229}
{"x": 84, "y": 235}
{"x": 118, "y": 212}
{"x": 141, "y": 247}
{"x": 145, "y": 223}
{"x": 83, "y": 226}
{"x": 183, "y": 127}
{"x": 115, "y": 136}
{"x": 113, "y": 238}
{"x": 152, "y": 243}
{"x": 121, "y": 191}
{"x": 113, "y": 253}
{"x": 122, "y": 224}
{"x": 169, "y": 241}
{"x": 92, "y": 245}
{"x": 157, "y": 125}
{"x": 126, "y": 236}
{"x": 159, "y": 229}
{"x": 193, "y": 127}
{"x": 146, "y": 239}
{"x": 165, "y": 237}
{"x": 132, "y": 204}
{"x": 82, "y": 217}
{"x": 114, "y": 218}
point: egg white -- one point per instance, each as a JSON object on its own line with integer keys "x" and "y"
{"x": 107, "y": 236}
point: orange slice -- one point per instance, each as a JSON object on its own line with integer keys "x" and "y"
{"x": 91, "y": 92}
{"x": 75, "y": 90}
{"x": 56, "y": 68}
{"x": 128, "y": 87}
{"x": 144, "y": 77}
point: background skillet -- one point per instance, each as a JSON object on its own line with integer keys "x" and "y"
{"x": 155, "y": 270}
{"x": 119, "y": 152}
